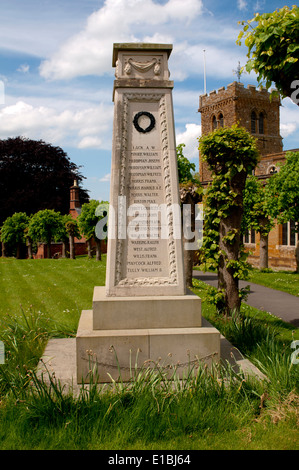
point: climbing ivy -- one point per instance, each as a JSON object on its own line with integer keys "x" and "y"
{"x": 231, "y": 154}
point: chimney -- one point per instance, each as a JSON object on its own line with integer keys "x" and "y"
{"x": 75, "y": 205}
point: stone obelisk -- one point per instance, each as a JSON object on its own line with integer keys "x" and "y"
{"x": 144, "y": 310}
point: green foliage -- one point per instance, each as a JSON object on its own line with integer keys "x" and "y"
{"x": 229, "y": 151}
{"x": 185, "y": 167}
{"x": 89, "y": 218}
{"x": 231, "y": 154}
{"x": 13, "y": 228}
{"x": 71, "y": 226}
{"x": 256, "y": 212}
{"x": 284, "y": 190}
{"x": 273, "y": 47}
{"x": 45, "y": 225}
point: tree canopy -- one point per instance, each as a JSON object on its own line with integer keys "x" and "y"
{"x": 35, "y": 175}
{"x": 13, "y": 231}
{"x": 45, "y": 226}
{"x": 185, "y": 167}
{"x": 273, "y": 49}
{"x": 87, "y": 222}
{"x": 257, "y": 215}
{"x": 283, "y": 187}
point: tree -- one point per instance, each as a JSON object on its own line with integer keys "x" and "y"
{"x": 273, "y": 49}
{"x": 45, "y": 226}
{"x": 35, "y": 175}
{"x": 283, "y": 188}
{"x": 231, "y": 154}
{"x": 62, "y": 234}
{"x": 72, "y": 229}
{"x": 87, "y": 222}
{"x": 257, "y": 216}
{"x": 190, "y": 195}
{"x": 13, "y": 231}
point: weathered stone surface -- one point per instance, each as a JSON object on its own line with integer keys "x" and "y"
{"x": 144, "y": 313}
{"x": 144, "y": 176}
{"x": 117, "y": 313}
{"x": 116, "y": 352}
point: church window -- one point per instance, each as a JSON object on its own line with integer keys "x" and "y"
{"x": 220, "y": 119}
{"x": 249, "y": 236}
{"x": 261, "y": 124}
{"x": 253, "y": 122}
{"x": 272, "y": 170}
{"x": 214, "y": 123}
{"x": 289, "y": 236}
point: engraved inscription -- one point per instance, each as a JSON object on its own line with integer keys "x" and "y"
{"x": 145, "y": 258}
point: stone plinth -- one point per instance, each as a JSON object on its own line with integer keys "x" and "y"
{"x": 144, "y": 311}
{"x": 118, "y": 313}
{"x": 117, "y": 352}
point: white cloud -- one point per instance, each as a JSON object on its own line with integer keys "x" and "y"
{"x": 90, "y": 51}
{"x": 189, "y": 138}
{"x": 242, "y": 4}
{"x": 106, "y": 178}
{"x": 24, "y": 68}
{"x": 289, "y": 114}
{"x": 83, "y": 128}
{"x": 90, "y": 142}
{"x": 287, "y": 129}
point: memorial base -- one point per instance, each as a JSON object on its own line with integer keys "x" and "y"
{"x": 120, "y": 336}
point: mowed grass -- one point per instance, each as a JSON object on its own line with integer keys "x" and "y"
{"x": 211, "y": 410}
{"x": 59, "y": 288}
{"x": 287, "y": 281}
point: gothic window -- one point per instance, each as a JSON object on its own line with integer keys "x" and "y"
{"x": 272, "y": 170}
{"x": 249, "y": 237}
{"x": 214, "y": 123}
{"x": 261, "y": 124}
{"x": 289, "y": 236}
{"x": 220, "y": 119}
{"x": 253, "y": 122}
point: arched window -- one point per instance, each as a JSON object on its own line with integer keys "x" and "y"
{"x": 253, "y": 122}
{"x": 220, "y": 119}
{"x": 214, "y": 123}
{"x": 272, "y": 170}
{"x": 261, "y": 124}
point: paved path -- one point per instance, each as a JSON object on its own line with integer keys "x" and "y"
{"x": 280, "y": 304}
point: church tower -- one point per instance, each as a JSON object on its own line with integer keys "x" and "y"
{"x": 250, "y": 108}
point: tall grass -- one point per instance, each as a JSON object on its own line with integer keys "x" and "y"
{"x": 151, "y": 407}
{"x": 24, "y": 337}
{"x": 36, "y": 412}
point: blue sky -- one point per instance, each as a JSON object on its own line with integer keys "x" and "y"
{"x": 56, "y": 69}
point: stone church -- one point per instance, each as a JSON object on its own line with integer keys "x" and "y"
{"x": 252, "y": 109}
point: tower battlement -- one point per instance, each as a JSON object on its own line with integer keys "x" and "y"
{"x": 235, "y": 90}
{"x": 249, "y": 107}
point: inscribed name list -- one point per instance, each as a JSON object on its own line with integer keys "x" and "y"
{"x": 147, "y": 247}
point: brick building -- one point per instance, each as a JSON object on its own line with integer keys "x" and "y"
{"x": 252, "y": 109}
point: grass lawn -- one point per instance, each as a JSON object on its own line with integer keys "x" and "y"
{"x": 286, "y": 281}
{"x": 212, "y": 410}
{"x": 59, "y": 288}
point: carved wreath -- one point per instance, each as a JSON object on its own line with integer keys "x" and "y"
{"x": 148, "y": 128}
